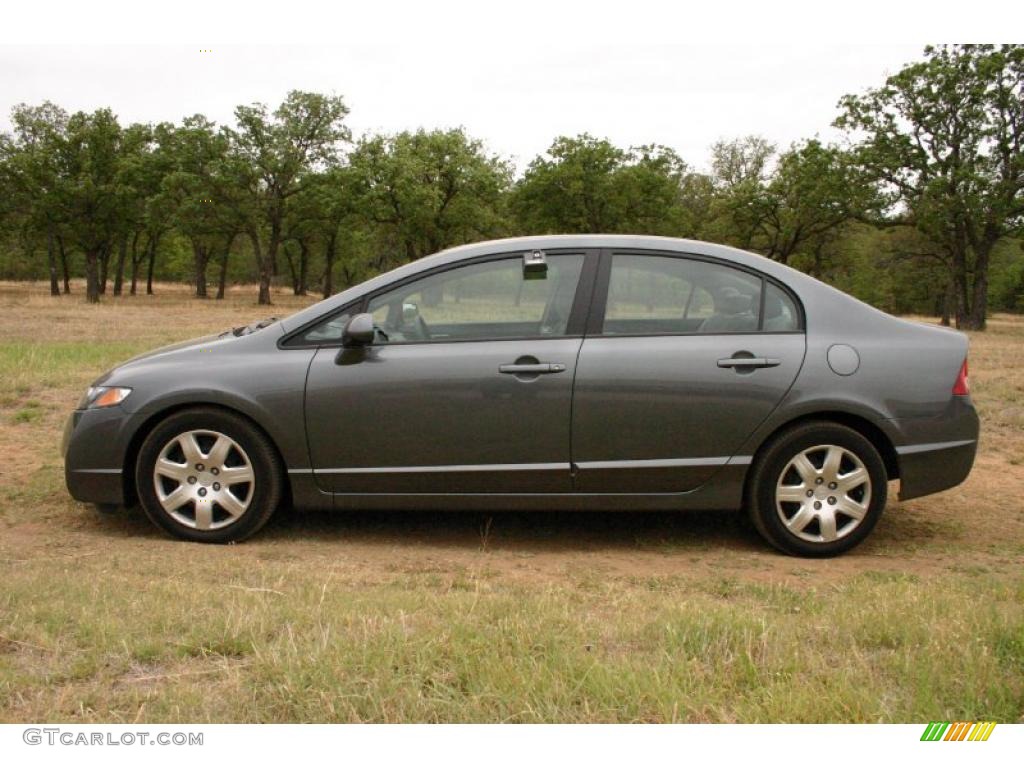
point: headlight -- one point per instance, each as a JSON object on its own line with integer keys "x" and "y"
{"x": 104, "y": 397}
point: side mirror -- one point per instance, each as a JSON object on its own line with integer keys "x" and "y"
{"x": 358, "y": 331}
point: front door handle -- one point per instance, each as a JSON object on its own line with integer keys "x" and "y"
{"x": 531, "y": 368}
{"x": 749, "y": 362}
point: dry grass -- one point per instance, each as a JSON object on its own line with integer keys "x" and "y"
{"x": 525, "y": 617}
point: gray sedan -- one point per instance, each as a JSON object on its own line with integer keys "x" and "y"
{"x": 562, "y": 372}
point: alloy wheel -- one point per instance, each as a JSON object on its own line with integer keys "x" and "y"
{"x": 823, "y": 493}
{"x": 204, "y": 480}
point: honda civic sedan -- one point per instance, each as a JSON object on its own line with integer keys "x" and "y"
{"x": 544, "y": 373}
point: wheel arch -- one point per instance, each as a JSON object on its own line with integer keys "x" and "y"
{"x": 860, "y": 424}
{"x": 142, "y": 431}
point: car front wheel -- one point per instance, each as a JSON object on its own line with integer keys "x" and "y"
{"x": 817, "y": 489}
{"x": 208, "y": 475}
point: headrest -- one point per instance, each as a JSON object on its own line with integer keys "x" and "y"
{"x": 731, "y": 302}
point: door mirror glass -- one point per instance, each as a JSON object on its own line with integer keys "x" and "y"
{"x": 358, "y": 331}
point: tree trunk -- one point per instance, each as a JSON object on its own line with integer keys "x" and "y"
{"x": 329, "y": 254}
{"x": 51, "y": 262}
{"x": 223, "y": 279}
{"x": 266, "y": 274}
{"x": 976, "y": 319}
{"x": 291, "y": 269}
{"x": 947, "y": 303}
{"x": 961, "y": 296}
{"x": 92, "y": 288}
{"x": 136, "y": 258}
{"x": 300, "y": 286}
{"x": 263, "y": 265}
{"x": 122, "y": 253}
{"x": 64, "y": 264}
{"x": 149, "y": 268}
{"x": 200, "y": 256}
{"x": 104, "y": 259}
{"x": 135, "y": 276}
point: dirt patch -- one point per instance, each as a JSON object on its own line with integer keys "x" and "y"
{"x": 965, "y": 528}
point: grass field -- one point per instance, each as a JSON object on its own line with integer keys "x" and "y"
{"x": 463, "y": 617}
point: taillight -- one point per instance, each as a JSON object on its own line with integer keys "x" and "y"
{"x": 962, "y": 386}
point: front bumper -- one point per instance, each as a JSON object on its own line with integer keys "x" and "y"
{"x": 94, "y": 447}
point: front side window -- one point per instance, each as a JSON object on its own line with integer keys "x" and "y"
{"x": 664, "y": 294}
{"x": 326, "y": 332}
{"x": 483, "y": 300}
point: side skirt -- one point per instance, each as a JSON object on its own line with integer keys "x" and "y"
{"x": 723, "y": 492}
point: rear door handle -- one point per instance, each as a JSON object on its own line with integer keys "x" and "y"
{"x": 749, "y": 362}
{"x": 533, "y": 368}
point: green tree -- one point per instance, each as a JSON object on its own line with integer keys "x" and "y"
{"x": 30, "y": 179}
{"x": 198, "y": 191}
{"x": 814, "y": 191}
{"x": 943, "y": 138}
{"x": 745, "y": 160}
{"x": 584, "y": 184}
{"x": 317, "y": 220}
{"x": 429, "y": 190}
{"x": 92, "y": 197}
{"x": 740, "y": 170}
{"x": 795, "y": 204}
{"x": 273, "y": 155}
{"x": 572, "y": 188}
{"x": 146, "y": 160}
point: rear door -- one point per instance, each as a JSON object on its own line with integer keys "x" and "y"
{"x": 684, "y": 358}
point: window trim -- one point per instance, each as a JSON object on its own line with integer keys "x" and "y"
{"x": 575, "y": 326}
{"x": 595, "y": 324}
{"x": 287, "y": 341}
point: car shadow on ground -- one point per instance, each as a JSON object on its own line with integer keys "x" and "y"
{"x": 533, "y": 531}
{"x": 536, "y": 531}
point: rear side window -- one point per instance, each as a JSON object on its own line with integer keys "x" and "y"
{"x": 780, "y": 312}
{"x": 663, "y": 294}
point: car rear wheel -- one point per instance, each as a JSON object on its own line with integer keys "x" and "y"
{"x": 208, "y": 475}
{"x": 817, "y": 489}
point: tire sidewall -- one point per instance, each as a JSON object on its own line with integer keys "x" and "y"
{"x": 265, "y": 495}
{"x": 781, "y": 452}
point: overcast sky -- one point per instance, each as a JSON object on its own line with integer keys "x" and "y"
{"x": 516, "y": 99}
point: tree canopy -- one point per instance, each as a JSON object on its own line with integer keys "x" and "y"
{"x": 921, "y": 208}
{"x": 942, "y": 139}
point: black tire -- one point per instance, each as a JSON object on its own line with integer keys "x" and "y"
{"x": 773, "y": 459}
{"x": 266, "y": 493}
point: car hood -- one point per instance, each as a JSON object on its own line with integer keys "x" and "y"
{"x": 154, "y": 355}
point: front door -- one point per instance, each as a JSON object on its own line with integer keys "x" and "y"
{"x": 468, "y": 388}
{"x": 684, "y": 358}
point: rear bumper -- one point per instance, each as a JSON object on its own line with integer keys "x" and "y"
{"x": 940, "y": 452}
{"x": 935, "y": 468}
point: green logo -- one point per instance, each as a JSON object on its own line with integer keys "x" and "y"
{"x": 958, "y": 731}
